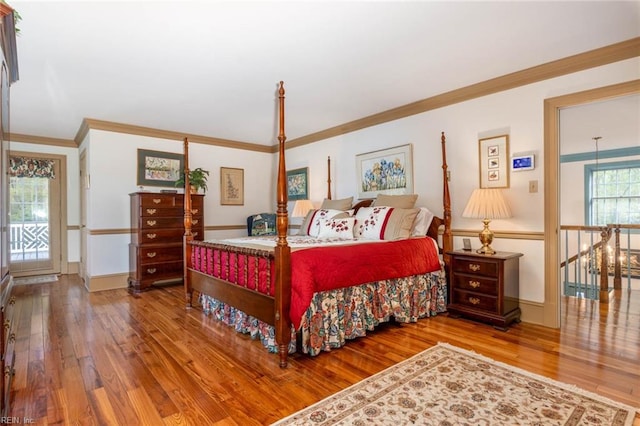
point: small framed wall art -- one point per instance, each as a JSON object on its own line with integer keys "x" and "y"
{"x": 231, "y": 186}
{"x": 494, "y": 163}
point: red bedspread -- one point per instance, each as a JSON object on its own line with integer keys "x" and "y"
{"x": 323, "y": 268}
{"x": 326, "y": 268}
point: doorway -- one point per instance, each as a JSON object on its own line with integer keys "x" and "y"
{"x": 552, "y": 256}
{"x": 36, "y": 211}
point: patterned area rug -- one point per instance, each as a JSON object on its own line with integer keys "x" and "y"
{"x": 445, "y": 385}
{"x": 39, "y": 279}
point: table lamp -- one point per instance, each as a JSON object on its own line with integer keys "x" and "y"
{"x": 486, "y": 204}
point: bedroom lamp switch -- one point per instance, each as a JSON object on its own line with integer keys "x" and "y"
{"x": 533, "y": 186}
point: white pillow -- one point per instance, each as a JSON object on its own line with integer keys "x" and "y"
{"x": 337, "y": 228}
{"x": 311, "y": 227}
{"x": 370, "y": 222}
{"x": 422, "y": 222}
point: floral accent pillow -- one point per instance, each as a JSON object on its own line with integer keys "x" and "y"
{"x": 371, "y": 222}
{"x": 337, "y": 228}
{"x": 384, "y": 223}
{"x": 311, "y": 224}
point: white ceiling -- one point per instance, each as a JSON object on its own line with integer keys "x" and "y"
{"x": 211, "y": 67}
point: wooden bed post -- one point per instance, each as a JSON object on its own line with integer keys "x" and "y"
{"x": 282, "y": 250}
{"x": 447, "y": 238}
{"x": 188, "y": 236}
{"x": 328, "y": 178}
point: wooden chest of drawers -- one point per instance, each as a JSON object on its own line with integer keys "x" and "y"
{"x": 155, "y": 252}
{"x": 7, "y": 340}
{"x": 485, "y": 287}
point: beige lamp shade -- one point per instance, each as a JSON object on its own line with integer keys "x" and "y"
{"x": 301, "y": 208}
{"x": 487, "y": 204}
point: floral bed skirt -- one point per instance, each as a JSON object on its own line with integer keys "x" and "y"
{"x": 339, "y": 315}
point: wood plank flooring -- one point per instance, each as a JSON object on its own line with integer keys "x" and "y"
{"x": 108, "y": 358}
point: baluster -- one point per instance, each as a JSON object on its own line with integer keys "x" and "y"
{"x": 617, "y": 276}
{"x": 605, "y": 233}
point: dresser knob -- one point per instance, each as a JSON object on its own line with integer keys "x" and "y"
{"x": 474, "y": 284}
{"x": 474, "y": 300}
{"x": 151, "y": 222}
{"x": 157, "y": 201}
{"x": 151, "y": 236}
{"x": 151, "y": 254}
{"x": 474, "y": 267}
{"x": 151, "y": 211}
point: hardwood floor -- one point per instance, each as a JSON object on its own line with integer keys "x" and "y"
{"x": 109, "y": 358}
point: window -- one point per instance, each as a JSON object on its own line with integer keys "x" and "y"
{"x": 613, "y": 191}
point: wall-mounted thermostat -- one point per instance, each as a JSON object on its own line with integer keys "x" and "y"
{"x": 523, "y": 162}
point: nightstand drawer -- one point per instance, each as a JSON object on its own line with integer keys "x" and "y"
{"x": 476, "y": 284}
{"x": 475, "y": 300}
{"x": 475, "y": 266}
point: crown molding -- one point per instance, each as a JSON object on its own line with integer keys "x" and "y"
{"x": 605, "y": 55}
{"x": 41, "y": 140}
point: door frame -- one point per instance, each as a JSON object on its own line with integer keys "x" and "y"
{"x": 61, "y": 177}
{"x": 552, "y": 107}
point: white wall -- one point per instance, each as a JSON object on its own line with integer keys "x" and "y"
{"x": 518, "y": 112}
{"x": 113, "y": 175}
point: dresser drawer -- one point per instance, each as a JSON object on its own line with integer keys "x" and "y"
{"x": 161, "y": 223}
{"x": 146, "y": 212}
{"x": 475, "y": 300}
{"x": 159, "y": 271}
{"x": 161, "y": 200}
{"x": 476, "y": 284}
{"x": 155, "y": 254}
{"x": 475, "y": 267}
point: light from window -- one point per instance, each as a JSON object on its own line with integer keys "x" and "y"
{"x": 615, "y": 194}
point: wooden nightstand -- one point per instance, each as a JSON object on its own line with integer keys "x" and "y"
{"x": 485, "y": 287}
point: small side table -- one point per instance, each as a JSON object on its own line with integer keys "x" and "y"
{"x": 485, "y": 287}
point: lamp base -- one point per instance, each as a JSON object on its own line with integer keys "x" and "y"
{"x": 486, "y": 238}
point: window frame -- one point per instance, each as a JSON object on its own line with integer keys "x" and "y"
{"x": 589, "y": 169}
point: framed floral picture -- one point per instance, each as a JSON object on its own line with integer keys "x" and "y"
{"x": 156, "y": 168}
{"x": 298, "y": 184}
{"x": 231, "y": 186}
{"x": 387, "y": 171}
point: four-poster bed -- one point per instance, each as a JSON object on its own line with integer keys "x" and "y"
{"x": 280, "y": 292}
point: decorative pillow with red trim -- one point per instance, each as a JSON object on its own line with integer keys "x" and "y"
{"x": 384, "y": 223}
{"x": 311, "y": 223}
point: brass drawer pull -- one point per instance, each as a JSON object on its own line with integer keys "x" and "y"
{"x": 12, "y": 337}
{"x": 474, "y": 267}
{"x": 12, "y": 301}
{"x": 474, "y": 300}
{"x": 151, "y": 270}
{"x": 474, "y": 284}
{"x": 151, "y": 211}
{"x": 151, "y": 236}
{"x": 195, "y": 221}
{"x": 194, "y": 211}
{"x": 157, "y": 200}
{"x": 151, "y": 254}
{"x": 151, "y": 222}
{"x": 195, "y": 234}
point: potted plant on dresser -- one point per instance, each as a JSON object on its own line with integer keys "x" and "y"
{"x": 197, "y": 180}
